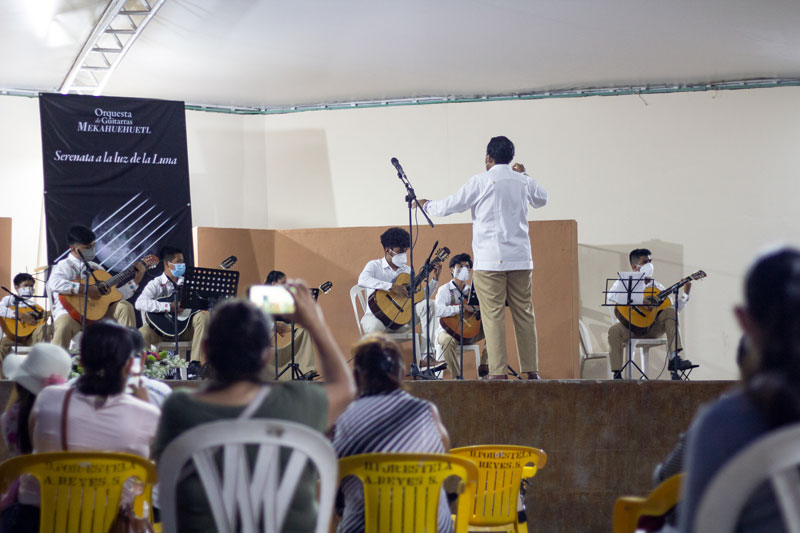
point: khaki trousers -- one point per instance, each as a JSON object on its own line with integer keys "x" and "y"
{"x": 66, "y": 327}
{"x": 618, "y": 336}
{"x": 372, "y": 324}
{"x": 303, "y": 356}
{"x": 195, "y": 332}
{"x": 494, "y": 289}
{"x": 451, "y": 351}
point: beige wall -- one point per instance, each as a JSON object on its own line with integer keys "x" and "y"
{"x": 706, "y": 179}
{"x": 6, "y": 276}
{"x": 339, "y": 254}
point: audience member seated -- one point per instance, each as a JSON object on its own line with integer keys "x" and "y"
{"x": 768, "y": 399}
{"x": 46, "y": 364}
{"x": 385, "y": 418}
{"x": 99, "y": 415}
{"x": 237, "y": 347}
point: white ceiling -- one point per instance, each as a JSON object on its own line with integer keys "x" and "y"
{"x": 300, "y": 52}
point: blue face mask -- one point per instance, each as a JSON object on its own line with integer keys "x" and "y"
{"x": 178, "y": 269}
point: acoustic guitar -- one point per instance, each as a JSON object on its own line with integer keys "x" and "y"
{"x": 472, "y": 322}
{"x": 285, "y": 339}
{"x": 395, "y": 311}
{"x": 23, "y": 329}
{"x": 643, "y": 316}
{"x": 97, "y": 309}
{"x": 164, "y": 322}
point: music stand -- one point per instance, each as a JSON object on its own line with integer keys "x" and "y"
{"x": 204, "y": 287}
{"x": 630, "y": 282}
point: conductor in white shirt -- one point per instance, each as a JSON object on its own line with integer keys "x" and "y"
{"x": 499, "y": 200}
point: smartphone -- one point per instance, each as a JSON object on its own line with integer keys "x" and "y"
{"x": 274, "y": 300}
{"x": 136, "y": 367}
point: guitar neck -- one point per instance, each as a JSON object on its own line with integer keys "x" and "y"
{"x": 122, "y": 277}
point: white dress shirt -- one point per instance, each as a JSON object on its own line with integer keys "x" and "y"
{"x": 379, "y": 275}
{"x": 448, "y": 301}
{"x": 62, "y": 278}
{"x": 499, "y": 200}
{"x": 618, "y": 293}
{"x": 160, "y": 287}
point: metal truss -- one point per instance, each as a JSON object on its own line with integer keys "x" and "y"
{"x": 112, "y": 37}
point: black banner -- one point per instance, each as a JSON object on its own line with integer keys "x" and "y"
{"x": 119, "y": 166}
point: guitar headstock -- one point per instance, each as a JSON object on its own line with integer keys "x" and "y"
{"x": 698, "y": 275}
{"x": 441, "y": 255}
{"x": 150, "y": 261}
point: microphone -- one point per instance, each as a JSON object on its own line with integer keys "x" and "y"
{"x": 397, "y": 166}
{"x": 428, "y": 260}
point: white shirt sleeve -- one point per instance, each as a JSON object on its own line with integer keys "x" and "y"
{"x": 443, "y": 307}
{"x": 7, "y": 307}
{"x": 61, "y": 279}
{"x": 462, "y": 200}
{"x": 537, "y": 196}
{"x": 369, "y": 277}
{"x": 148, "y": 299}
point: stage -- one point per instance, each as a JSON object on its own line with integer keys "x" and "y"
{"x": 602, "y": 438}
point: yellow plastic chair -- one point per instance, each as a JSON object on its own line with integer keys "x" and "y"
{"x": 629, "y": 509}
{"x": 80, "y": 491}
{"x": 401, "y": 490}
{"x": 501, "y": 470}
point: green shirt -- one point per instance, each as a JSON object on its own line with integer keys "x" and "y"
{"x": 294, "y": 401}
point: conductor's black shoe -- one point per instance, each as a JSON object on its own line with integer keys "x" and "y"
{"x": 617, "y": 374}
{"x": 677, "y": 363}
{"x": 483, "y": 371}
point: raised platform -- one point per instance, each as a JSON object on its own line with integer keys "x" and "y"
{"x": 602, "y": 438}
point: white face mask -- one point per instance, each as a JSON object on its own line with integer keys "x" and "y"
{"x": 399, "y": 260}
{"x": 647, "y": 270}
{"x": 462, "y": 274}
{"x": 25, "y": 291}
{"x": 88, "y": 254}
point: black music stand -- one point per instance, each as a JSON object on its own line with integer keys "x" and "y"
{"x": 204, "y": 287}
{"x": 630, "y": 281}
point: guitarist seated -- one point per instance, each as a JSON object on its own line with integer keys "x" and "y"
{"x": 379, "y": 274}
{"x": 23, "y": 285}
{"x": 65, "y": 277}
{"x": 448, "y": 304}
{"x": 641, "y": 261}
{"x": 163, "y": 287}
{"x": 303, "y": 346}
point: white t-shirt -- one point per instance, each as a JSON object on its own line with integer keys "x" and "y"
{"x": 121, "y": 424}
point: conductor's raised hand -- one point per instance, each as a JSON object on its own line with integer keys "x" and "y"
{"x": 421, "y": 203}
{"x": 306, "y": 311}
{"x": 518, "y": 167}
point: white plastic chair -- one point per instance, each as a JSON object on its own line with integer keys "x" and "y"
{"x": 253, "y": 495}
{"x": 358, "y": 297}
{"x": 774, "y": 457}
{"x": 596, "y": 360}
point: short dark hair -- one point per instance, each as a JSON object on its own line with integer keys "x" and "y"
{"x": 105, "y": 349}
{"x": 79, "y": 234}
{"x": 21, "y": 278}
{"x": 395, "y": 238}
{"x": 168, "y": 253}
{"x": 501, "y": 150}
{"x": 238, "y": 334}
{"x": 274, "y": 277}
{"x": 636, "y": 254}
{"x": 460, "y": 258}
{"x": 378, "y": 365}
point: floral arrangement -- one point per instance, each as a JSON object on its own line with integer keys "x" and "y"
{"x": 157, "y": 365}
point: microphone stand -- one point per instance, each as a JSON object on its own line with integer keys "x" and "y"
{"x": 431, "y": 375}
{"x": 89, "y": 272}
{"x": 461, "y": 335}
{"x": 16, "y": 321}
{"x": 411, "y": 197}
{"x": 175, "y": 314}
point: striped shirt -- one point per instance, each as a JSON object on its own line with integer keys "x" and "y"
{"x": 395, "y": 422}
